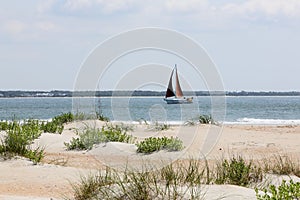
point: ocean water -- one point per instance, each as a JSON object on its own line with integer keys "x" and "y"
{"x": 239, "y": 110}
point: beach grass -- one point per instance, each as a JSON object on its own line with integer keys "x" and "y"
{"x": 56, "y": 125}
{"x": 19, "y": 135}
{"x": 180, "y": 180}
{"x": 159, "y": 126}
{"x": 282, "y": 165}
{"x": 174, "y": 181}
{"x": 92, "y": 135}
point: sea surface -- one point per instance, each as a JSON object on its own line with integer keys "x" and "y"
{"x": 237, "y": 110}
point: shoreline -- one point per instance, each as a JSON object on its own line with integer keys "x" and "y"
{"x": 239, "y": 122}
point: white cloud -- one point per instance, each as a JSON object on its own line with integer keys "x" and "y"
{"x": 46, "y": 26}
{"x": 186, "y": 5}
{"x": 14, "y": 27}
{"x": 78, "y": 4}
{"x": 45, "y": 5}
{"x": 269, "y": 8}
{"x": 263, "y": 8}
{"x": 110, "y": 6}
{"x": 104, "y": 6}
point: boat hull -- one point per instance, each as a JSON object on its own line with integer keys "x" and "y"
{"x": 178, "y": 100}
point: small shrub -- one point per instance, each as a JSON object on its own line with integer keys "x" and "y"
{"x": 4, "y": 125}
{"x": 150, "y": 145}
{"x": 286, "y": 191}
{"x": 17, "y": 139}
{"x": 236, "y": 171}
{"x": 201, "y": 119}
{"x": 76, "y": 144}
{"x": 56, "y": 125}
{"x": 101, "y": 117}
{"x": 64, "y": 118}
{"x": 205, "y": 119}
{"x": 52, "y": 127}
{"x": 91, "y": 136}
{"x": 35, "y": 155}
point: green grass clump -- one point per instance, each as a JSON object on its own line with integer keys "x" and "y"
{"x": 201, "y": 119}
{"x": 286, "y": 191}
{"x": 84, "y": 116}
{"x": 56, "y": 125}
{"x": 18, "y": 138}
{"x": 4, "y": 125}
{"x": 150, "y": 145}
{"x": 205, "y": 119}
{"x": 52, "y": 127}
{"x": 64, "y": 118}
{"x": 101, "y": 117}
{"x": 91, "y": 136}
{"x": 175, "y": 181}
{"x": 237, "y": 171}
{"x": 282, "y": 165}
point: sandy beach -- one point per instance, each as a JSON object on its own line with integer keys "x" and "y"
{"x": 52, "y": 178}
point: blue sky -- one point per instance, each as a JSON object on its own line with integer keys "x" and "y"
{"x": 254, "y": 44}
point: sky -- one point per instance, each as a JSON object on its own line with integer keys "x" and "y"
{"x": 253, "y": 43}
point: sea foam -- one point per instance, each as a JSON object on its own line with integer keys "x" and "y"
{"x": 256, "y": 121}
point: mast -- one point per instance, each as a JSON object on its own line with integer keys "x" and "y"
{"x": 178, "y": 88}
{"x": 170, "y": 91}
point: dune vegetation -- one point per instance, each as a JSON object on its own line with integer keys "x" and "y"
{"x": 183, "y": 180}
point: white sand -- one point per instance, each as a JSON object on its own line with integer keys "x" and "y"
{"x": 20, "y": 179}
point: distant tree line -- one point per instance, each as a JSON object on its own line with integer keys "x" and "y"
{"x": 61, "y": 93}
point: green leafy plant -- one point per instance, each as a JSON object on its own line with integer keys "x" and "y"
{"x": 52, "y": 127}
{"x": 101, "y": 117}
{"x": 64, "y": 118}
{"x": 56, "y": 125}
{"x": 236, "y": 171}
{"x": 18, "y": 138}
{"x": 205, "y": 119}
{"x": 4, "y": 125}
{"x": 286, "y": 191}
{"x": 201, "y": 119}
{"x": 152, "y": 144}
{"x": 91, "y": 136}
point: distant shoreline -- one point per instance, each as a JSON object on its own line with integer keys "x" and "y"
{"x": 136, "y": 93}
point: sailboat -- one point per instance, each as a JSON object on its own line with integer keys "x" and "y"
{"x": 177, "y": 96}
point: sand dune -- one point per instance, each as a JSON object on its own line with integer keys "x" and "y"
{"x": 20, "y": 179}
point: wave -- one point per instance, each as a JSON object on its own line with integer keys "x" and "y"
{"x": 255, "y": 121}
